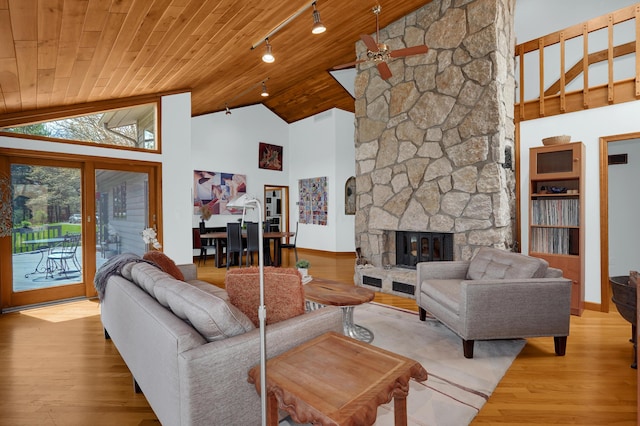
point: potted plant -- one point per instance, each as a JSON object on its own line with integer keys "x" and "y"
{"x": 303, "y": 267}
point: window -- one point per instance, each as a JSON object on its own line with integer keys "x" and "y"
{"x": 120, "y": 201}
{"x": 130, "y": 127}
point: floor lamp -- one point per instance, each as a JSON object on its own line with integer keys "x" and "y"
{"x": 247, "y": 201}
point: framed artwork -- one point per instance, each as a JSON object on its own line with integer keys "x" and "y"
{"x": 270, "y": 157}
{"x": 212, "y": 191}
{"x": 312, "y": 207}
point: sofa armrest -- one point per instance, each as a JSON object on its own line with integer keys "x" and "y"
{"x": 213, "y": 377}
{"x": 447, "y": 270}
{"x": 189, "y": 270}
{"x": 494, "y": 309}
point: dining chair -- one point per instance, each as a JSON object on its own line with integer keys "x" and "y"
{"x": 253, "y": 241}
{"x": 234, "y": 242}
{"x": 202, "y": 245}
{"x": 293, "y": 245}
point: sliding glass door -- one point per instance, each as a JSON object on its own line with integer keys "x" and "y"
{"x": 67, "y": 219}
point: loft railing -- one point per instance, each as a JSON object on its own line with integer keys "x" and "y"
{"x": 610, "y": 75}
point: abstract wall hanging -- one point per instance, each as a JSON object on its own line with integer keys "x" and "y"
{"x": 312, "y": 206}
{"x": 270, "y": 157}
{"x": 214, "y": 190}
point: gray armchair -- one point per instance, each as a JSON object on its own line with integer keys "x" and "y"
{"x": 496, "y": 295}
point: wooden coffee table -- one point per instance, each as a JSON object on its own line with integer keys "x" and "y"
{"x": 337, "y": 380}
{"x": 326, "y": 292}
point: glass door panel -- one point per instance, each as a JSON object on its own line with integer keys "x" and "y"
{"x": 47, "y": 227}
{"x": 122, "y": 212}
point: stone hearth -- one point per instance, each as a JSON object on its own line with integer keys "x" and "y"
{"x": 431, "y": 140}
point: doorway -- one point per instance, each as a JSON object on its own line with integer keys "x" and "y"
{"x": 70, "y": 214}
{"x": 619, "y": 234}
{"x": 276, "y": 207}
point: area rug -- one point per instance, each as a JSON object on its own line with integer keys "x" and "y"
{"x": 457, "y": 387}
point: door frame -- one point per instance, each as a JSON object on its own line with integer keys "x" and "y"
{"x": 605, "y": 289}
{"x": 88, "y": 165}
{"x": 285, "y": 205}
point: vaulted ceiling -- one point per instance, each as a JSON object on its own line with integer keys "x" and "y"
{"x": 57, "y": 53}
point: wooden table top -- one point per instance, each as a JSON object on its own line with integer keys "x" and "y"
{"x": 327, "y": 292}
{"x": 223, "y": 235}
{"x": 337, "y": 380}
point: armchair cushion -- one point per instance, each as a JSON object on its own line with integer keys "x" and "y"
{"x": 491, "y": 263}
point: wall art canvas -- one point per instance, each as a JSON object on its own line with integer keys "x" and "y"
{"x": 312, "y": 207}
{"x": 270, "y": 156}
{"x": 212, "y": 191}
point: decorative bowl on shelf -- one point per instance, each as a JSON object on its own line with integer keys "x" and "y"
{"x": 556, "y": 140}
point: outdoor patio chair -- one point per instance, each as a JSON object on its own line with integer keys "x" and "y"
{"x": 63, "y": 255}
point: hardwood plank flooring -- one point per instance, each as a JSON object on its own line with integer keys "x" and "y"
{"x": 57, "y": 368}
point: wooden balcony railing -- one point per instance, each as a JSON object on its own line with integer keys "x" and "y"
{"x": 556, "y": 99}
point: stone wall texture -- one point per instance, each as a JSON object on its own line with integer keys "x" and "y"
{"x": 431, "y": 140}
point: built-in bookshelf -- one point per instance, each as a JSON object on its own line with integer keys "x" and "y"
{"x": 556, "y": 212}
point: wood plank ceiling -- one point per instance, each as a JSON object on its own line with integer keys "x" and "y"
{"x": 57, "y": 53}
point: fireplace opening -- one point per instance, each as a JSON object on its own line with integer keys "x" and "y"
{"x": 414, "y": 247}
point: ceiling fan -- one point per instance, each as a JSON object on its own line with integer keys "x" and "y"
{"x": 379, "y": 53}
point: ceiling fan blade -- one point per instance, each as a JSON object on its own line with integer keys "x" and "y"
{"x": 348, "y": 65}
{"x": 385, "y": 71}
{"x": 369, "y": 42}
{"x": 415, "y": 50}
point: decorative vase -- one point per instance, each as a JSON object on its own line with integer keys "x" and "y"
{"x": 303, "y": 271}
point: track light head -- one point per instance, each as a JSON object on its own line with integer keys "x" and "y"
{"x": 268, "y": 55}
{"x": 265, "y": 92}
{"x": 227, "y": 110}
{"x": 318, "y": 26}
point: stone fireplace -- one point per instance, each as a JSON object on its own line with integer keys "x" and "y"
{"x": 431, "y": 141}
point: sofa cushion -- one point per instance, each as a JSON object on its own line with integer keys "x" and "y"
{"x": 165, "y": 263}
{"x": 283, "y": 292}
{"x": 444, "y": 292}
{"x": 490, "y": 263}
{"x": 214, "y": 318}
{"x": 147, "y": 277}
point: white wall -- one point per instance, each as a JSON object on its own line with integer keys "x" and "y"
{"x": 534, "y": 19}
{"x": 230, "y": 144}
{"x": 176, "y": 125}
{"x": 586, "y": 126}
{"x": 624, "y": 206}
{"x": 323, "y": 145}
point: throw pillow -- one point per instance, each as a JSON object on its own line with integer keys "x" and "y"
{"x": 283, "y": 292}
{"x": 214, "y": 318}
{"x": 165, "y": 263}
{"x": 490, "y": 263}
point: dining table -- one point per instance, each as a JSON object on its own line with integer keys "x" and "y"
{"x": 220, "y": 237}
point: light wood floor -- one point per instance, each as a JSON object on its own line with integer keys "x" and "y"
{"x": 57, "y": 369}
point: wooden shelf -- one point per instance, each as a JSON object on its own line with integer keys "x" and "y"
{"x": 556, "y": 224}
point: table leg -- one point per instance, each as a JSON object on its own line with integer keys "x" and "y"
{"x": 272, "y": 409}
{"x": 277, "y": 252}
{"x": 400, "y": 410}
{"x": 352, "y": 329}
{"x": 218, "y": 253}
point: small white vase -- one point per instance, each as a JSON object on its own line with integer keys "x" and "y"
{"x": 303, "y": 271}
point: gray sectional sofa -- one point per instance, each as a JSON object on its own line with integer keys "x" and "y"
{"x": 188, "y": 352}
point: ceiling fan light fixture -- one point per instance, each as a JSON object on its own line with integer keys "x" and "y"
{"x": 268, "y": 54}
{"x": 265, "y": 92}
{"x": 318, "y": 26}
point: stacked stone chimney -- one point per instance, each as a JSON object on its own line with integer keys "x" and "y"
{"x": 434, "y": 141}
